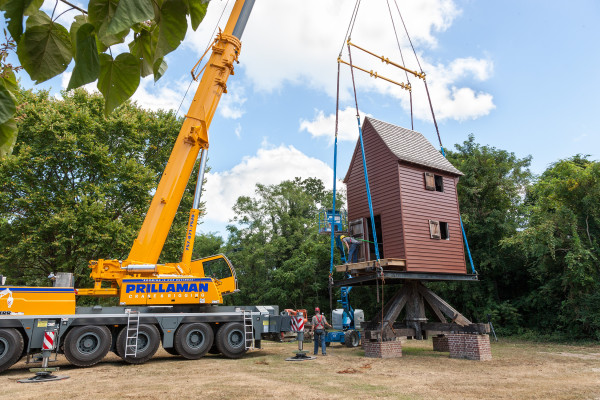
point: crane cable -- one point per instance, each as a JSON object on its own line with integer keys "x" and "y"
{"x": 412, "y": 124}
{"x": 437, "y": 130}
{"x": 434, "y": 123}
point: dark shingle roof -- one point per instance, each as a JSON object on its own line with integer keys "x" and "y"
{"x": 411, "y": 146}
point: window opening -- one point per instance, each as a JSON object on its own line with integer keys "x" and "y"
{"x": 439, "y": 230}
{"x": 444, "y": 232}
{"x": 439, "y": 183}
{"x": 434, "y": 182}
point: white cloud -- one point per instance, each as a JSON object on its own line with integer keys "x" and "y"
{"x": 163, "y": 95}
{"x": 231, "y": 105}
{"x": 270, "y": 165}
{"x": 324, "y": 126}
{"x": 310, "y": 35}
{"x": 238, "y": 130}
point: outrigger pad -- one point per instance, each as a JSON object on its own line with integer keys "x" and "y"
{"x": 43, "y": 377}
{"x": 301, "y": 356}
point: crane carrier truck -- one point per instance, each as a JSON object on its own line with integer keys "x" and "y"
{"x": 177, "y": 304}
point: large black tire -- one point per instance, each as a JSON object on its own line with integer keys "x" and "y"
{"x": 11, "y": 347}
{"x": 231, "y": 340}
{"x": 148, "y": 341}
{"x": 85, "y": 346}
{"x": 351, "y": 339}
{"x": 193, "y": 341}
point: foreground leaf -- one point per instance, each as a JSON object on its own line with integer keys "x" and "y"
{"x": 118, "y": 80}
{"x": 8, "y": 137}
{"x": 100, "y": 13}
{"x": 45, "y": 48}
{"x": 143, "y": 47}
{"x": 128, "y": 13}
{"x": 160, "y": 67}
{"x": 7, "y": 105}
{"x": 14, "y": 10}
{"x": 87, "y": 62}
{"x": 77, "y": 23}
{"x": 172, "y": 25}
{"x": 197, "y": 9}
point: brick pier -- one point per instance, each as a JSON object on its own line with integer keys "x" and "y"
{"x": 440, "y": 343}
{"x": 469, "y": 346}
{"x": 389, "y": 349}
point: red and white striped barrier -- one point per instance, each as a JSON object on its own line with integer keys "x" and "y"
{"x": 298, "y": 324}
{"x": 49, "y": 340}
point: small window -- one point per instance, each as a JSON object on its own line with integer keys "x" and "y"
{"x": 444, "y": 232}
{"x": 439, "y": 230}
{"x": 439, "y": 183}
{"x": 434, "y": 182}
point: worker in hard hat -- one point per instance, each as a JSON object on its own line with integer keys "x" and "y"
{"x": 319, "y": 322}
{"x": 352, "y": 247}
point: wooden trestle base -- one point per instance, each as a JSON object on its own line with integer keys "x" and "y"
{"x": 414, "y": 297}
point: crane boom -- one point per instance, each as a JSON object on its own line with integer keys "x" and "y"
{"x": 139, "y": 279}
{"x": 193, "y": 137}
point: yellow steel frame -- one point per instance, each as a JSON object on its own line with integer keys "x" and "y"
{"x": 192, "y": 138}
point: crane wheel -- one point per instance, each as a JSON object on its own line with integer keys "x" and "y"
{"x": 193, "y": 341}
{"x": 231, "y": 340}
{"x": 351, "y": 339}
{"x": 148, "y": 341}
{"x": 85, "y": 346}
{"x": 11, "y": 347}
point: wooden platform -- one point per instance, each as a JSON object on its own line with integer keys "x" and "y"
{"x": 394, "y": 277}
{"x": 360, "y": 268}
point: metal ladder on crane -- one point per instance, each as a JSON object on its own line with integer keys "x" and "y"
{"x": 133, "y": 326}
{"x": 248, "y": 330}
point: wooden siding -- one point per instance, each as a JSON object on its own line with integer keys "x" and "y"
{"x": 419, "y": 205}
{"x": 382, "y": 166}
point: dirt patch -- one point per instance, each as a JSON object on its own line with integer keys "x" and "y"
{"x": 518, "y": 370}
{"x": 589, "y": 356}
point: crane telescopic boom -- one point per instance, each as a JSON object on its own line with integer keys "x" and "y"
{"x": 139, "y": 279}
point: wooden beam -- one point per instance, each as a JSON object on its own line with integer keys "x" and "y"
{"x": 385, "y": 263}
{"x": 437, "y": 312}
{"x": 434, "y": 299}
{"x": 449, "y": 327}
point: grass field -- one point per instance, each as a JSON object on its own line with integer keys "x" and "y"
{"x": 519, "y": 370}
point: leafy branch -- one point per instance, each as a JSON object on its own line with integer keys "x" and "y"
{"x": 45, "y": 48}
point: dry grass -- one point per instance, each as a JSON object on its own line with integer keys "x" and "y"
{"x": 518, "y": 371}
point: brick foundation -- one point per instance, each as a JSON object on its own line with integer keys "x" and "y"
{"x": 440, "y": 343}
{"x": 471, "y": 347}
{"x": 390, "y": 349}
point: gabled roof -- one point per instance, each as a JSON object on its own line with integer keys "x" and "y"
{"x": 411, "y": 146}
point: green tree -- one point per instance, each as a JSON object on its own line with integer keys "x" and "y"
{"x": 78, "y": 185}
{"x": 275, "y": 246}
{"x": 562, "y": 249}
{"x": 46, "y": 48}
{"x": 491, "y": 205}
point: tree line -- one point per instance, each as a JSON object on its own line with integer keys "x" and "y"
{"x": 78, "y": 184}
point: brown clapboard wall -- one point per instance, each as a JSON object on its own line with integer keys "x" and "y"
{"x": 424, "y": 254}
{"x": 398, "y": 194}
{"x": 382, "y": 166}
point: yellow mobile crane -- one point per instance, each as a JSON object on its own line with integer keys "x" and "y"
{"x": 176, "y": 303}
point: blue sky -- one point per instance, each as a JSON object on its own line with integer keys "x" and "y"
{"x": 520, "y": 75}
